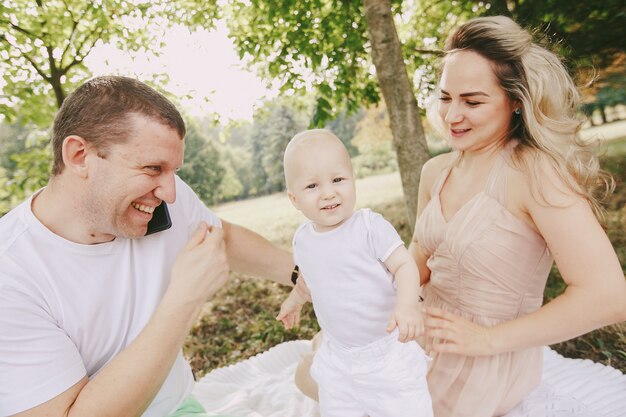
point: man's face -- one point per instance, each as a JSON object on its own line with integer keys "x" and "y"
{"x": 134, "y": 178}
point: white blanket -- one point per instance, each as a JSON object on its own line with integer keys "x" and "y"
{"x": 263, "y": 386}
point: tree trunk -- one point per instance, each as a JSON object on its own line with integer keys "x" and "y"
{"x": 397, "y": 89}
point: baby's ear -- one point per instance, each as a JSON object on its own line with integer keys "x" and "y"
{"x": 293, "y": 199}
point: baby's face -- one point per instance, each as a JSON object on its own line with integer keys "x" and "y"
{"x": 320, "y": 181}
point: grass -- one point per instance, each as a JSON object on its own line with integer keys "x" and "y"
{"x": 239, "y": 321}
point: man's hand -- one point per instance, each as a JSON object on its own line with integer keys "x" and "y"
{"x": 408, "y": 320}
{"x": 201, "y": 268}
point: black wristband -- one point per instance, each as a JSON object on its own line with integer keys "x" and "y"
{"x": 295, "y": 274}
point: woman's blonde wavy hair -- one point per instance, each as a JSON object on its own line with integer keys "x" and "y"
{"x": 549, "y": 123}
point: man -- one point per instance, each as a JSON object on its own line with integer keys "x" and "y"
{"x": 93, "y": 313}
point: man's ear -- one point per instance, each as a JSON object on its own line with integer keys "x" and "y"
{"x": 75, "y": 153}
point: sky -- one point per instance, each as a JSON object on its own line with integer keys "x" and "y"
{"x": 202, "y": 64}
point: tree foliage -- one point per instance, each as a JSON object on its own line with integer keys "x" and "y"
{"x": 332, "y": 45}
{"x": 373, "y": 139}
{"x": 348, "y": 53}
{"x": 337, "y": 44}
{"x": 423, "y": 30}
{"x": 43, "y": 44}
{"x": 586, "y": 32}
{"x": 274, "y": 126}
{"x": 303, "y": 42}
{"x": 24, "y": 163}
{"x": 344, "y": 126}
{"x": 202, "y": 169}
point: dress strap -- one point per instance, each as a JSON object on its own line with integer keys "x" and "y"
{"x": 496, "y": 185}
{"x": 440, "y": 181}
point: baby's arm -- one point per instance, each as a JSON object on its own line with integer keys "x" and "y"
{"x": 407, "y": 315}
{"x": 291, "y": 307}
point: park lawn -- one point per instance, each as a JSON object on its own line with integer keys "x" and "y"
{"x": 239, "y": 321}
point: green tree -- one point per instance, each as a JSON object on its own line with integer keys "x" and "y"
{"x": 231, "y": 187}
{"x": 240, "y": 160}
{"x": 612, "y": 92}
{"x": 586, "y": 32}
{"x": 373, "y": 139}
{"x": 274, "y": 125}
{"x": 43, "y": 44}
{"x": 344, "y": 126}
{"x": 29, "y": 173}
{"x": 335, "y": 43}
{"x": 14, "y": 138}
{"x": 235, "y": 139}
{"x": 202, "y": 169}
{"x": 24, "y": 163}
{"x": 332, "y": 45}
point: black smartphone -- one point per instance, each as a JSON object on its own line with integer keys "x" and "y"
{"x": 160, "y": 219}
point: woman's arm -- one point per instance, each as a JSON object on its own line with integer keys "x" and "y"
{"x": 596, "y": 290}
{"x": 430, "y": 172}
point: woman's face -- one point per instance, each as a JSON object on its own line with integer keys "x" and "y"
{"x": 474, "y": 108}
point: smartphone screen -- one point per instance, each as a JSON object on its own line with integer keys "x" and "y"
{"x": 160, "y": 219}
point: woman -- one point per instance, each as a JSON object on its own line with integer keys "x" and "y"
{"x": 518, "y": 192}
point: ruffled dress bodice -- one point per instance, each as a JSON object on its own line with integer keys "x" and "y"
{"x": 487, "y": 266}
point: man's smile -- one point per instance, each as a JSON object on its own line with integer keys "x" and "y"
{"x": 142, "y": 208}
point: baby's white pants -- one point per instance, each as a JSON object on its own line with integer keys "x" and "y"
{"x": 386, "y": 378}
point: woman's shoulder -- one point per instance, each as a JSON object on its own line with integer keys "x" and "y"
{"x": 435, "y": 166}
{"x": 535, "y": 168}
{"x": 535, "y": 178}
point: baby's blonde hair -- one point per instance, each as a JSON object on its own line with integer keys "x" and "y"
{"x": 311, "y": 133}
{"x": 549, "y": 122}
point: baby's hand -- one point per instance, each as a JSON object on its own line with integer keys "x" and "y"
{"x": 290, "y": 309}
{"x": 408, "y": 320}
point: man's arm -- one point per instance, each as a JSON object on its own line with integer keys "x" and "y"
{"x": 251, "y": 254}
{"x": 127, "y": 385}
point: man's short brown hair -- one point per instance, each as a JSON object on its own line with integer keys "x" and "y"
{"x": 99, "y": 111}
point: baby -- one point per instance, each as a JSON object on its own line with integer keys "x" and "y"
{"x": 364, "y": 286}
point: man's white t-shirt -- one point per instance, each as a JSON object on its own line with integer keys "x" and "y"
{"x": 67, "y": 309}
{"x": 352, "y": 290}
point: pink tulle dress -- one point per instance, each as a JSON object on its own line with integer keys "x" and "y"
{"x": 489, "y": 267}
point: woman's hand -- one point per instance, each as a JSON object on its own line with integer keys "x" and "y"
{"x": 454, "y": 334}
